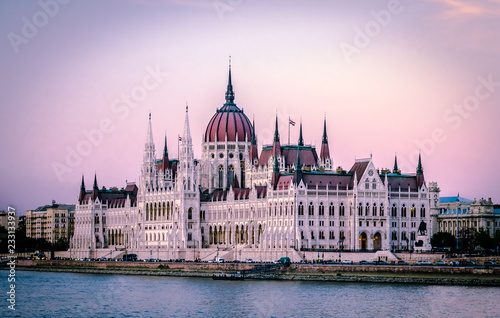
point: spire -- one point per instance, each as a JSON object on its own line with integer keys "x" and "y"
{"x": 419, "y": 167}
{"x": 229, "y": 92}
{"x": 298, "y": 168}
{"x": 325, "y": 138}
{"x": 166, "y": 163}
{"x": 186, "y": 136}
{"x": 254, "y": 138}
{"x": 165, "y": 150}
{"x": 276, "y": 171}
{"x": 276, "y": 143}
{"x": 95, "y": 190}
{"x": 276, "y": 133}
{"x": 396, "y": 169}
{"x": 82, "y": 191}
{"x": 254, "y": 154}
{"x": 149, "y": 138}
{"x": 301, "y": 140}
{"x": 325, "y": 150}
{"x": 298, "y": 164}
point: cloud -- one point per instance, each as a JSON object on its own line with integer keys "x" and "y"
{"x": 457, "y": 9}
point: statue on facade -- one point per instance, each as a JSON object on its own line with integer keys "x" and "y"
{"x": 422, "y": 228}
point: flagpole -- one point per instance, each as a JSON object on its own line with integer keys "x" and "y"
{"x": 178, "y": 151}
{"x": 289, "y": 130}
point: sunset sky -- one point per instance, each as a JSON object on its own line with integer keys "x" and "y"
{"x": 80, "y": 77}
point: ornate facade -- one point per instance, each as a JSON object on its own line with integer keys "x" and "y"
{"x": 235, "y": 200}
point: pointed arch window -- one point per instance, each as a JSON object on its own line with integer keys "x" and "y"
{"x": 230, "y": 176}
{"x": 374, "y": 184}
{"x": 221, "y": 176}
{"x": 367, "y": 184}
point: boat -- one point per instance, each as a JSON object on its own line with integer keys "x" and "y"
{"x": 228, "y": 276}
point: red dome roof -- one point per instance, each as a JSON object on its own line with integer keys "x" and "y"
{"x": 229, "y": 120}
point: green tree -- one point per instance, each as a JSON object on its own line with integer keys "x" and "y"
{"x": 443, "y": 239}
{"x": 466, "y": 237}
{"x": 61, "y": 244}
{"x": 483, "y": 239}
{"x": 3, "y": 239}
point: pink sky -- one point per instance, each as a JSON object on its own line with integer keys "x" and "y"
{"x": 418, "y": 80}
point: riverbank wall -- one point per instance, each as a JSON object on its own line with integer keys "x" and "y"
{"x": 446, "y": 275}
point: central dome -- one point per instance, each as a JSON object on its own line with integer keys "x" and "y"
{"x": 229, "y": 121}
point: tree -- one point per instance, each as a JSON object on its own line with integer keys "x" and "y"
{"x": 484, "y": 240}
{"x": 61, "y": 244}
{"x": 467, "y": 239}
{"x": 443, "y": 239}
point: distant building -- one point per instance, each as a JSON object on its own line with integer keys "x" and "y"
{"x": 469, "y": 214}
{"x": 51, "y": 222}
{"x": 4, "y": 219}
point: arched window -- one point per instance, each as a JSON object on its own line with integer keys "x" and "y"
{"x": 311, "y": 209}
{"x": 221, "y": 176}
{"x": 394, "y": 211}
{"x": 403, "y": 211}
{"x": 422, "y": 211}
{"x": 374, "y": 184}
{"x": 301, "y": 209}
{"x": 321, "y": 209}
{"x": 190, "y": 213}
{"x": 342, "y": 209}
{"x": 394, "y": 236}
{"x": 367, "y": 209}
{"x": 230, "y": 176}
{"x": 367, "y": 184}
{"x": 331, "y": 210}
{"x": 381, "y": 209}
{"x": 413, "y": 211}
{"x": 374, "y": 209}
{"x": 360, "y": 209}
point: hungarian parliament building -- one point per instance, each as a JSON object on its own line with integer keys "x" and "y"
{"x": 236, "y": 201}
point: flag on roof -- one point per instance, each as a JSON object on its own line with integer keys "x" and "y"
{"x": 180, "y": 138}
{"x": 292, "y": 122}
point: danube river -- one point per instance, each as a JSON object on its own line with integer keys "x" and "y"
{"x": 51, "y": 294}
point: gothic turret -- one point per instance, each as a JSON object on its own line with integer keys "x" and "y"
{"x": 95, "y": 189}
{"x": 166, "y": 162}
{"x": 148, "y": 176}
{"x": 276, "y": 140}
{"x": 420, "y": 172}
{"x": 396, "y": 169}
{"x": 301, "y": 139}
{"x": 254, "y": 154}
{"x": 82, "y": 191}
{"x": 324, "y": 155}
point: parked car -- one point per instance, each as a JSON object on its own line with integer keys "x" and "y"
{"x": 380, "y": 262}
{"x": 346, "y": 261}
{"x": 364, "y": 262}
{"x": 401, "y": 262}
{"x": 423, "y": 263}
{"x": 454, "y": 263}
{"x": 249, "y": 260}
{"x": 441, "y": 263}
{"x": 490, "y": 263}
{"x": 468, "y": 263}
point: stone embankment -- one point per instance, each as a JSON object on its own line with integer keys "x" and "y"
{"x": 444, "y": 275}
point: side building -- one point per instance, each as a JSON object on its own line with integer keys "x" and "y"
{"x": 51, "y": 222}
{"x": 457, "y": 213}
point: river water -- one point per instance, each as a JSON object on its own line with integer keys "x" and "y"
{"x": 50, "y": 294}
